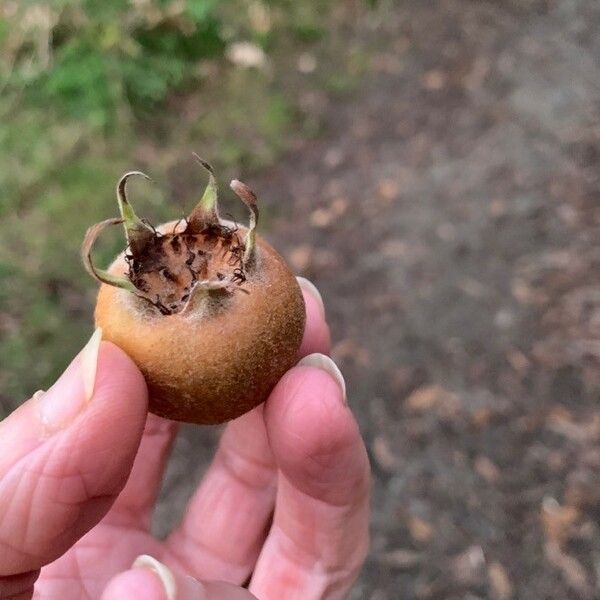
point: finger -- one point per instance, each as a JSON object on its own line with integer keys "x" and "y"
{"x": 227, "y": 520}
{"x": 152, "y": 580}
{"x": 135, "y": 583}
{"x": 319, "y": 537}
{"x": 66, "y": 454}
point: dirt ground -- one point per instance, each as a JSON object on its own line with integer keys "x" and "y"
{"x": 450, "y": 215}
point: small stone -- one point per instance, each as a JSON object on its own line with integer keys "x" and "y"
{"x": 246, "y": 54}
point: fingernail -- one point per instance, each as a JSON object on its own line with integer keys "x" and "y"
{"x": 89, "y": 363}
{"x": 66, "y": 398}
{"x": 323, "y": 362}
{"x": 145, "y": 561}
{"x": 310, "y": 288}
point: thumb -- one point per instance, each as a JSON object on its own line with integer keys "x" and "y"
{"x": 153, "y": 580}
{"x": 66, "y": 454}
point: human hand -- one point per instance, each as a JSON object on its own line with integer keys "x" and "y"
{"x": 284, "y": 504}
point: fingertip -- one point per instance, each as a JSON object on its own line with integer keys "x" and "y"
{"x": 326, "y": 364}
{"x": 135, "y": 583}
{"x": 317, "y": 337}
{"x": 118, "y": 409}
{"x": 116, "y": 372}
{"x": 146, "y": 583}
{"x": 306, "y": 412}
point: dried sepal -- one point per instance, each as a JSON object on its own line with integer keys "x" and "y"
{"x": 205, "y": 213}
{"x": 201, "y": 291}
{"x": 120, "y": 281}
{"x": 203, "y": 249}
{"x": 248, "y": 197}
{"x": 139, "y": 234}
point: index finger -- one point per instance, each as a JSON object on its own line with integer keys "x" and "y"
{"x": 319, "y": 536}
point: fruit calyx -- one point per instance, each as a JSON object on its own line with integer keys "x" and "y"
{"x": 198, "y": 256}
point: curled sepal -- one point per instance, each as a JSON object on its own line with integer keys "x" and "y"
{"x": 202, "y": 290}
{"x": 120, "y": 281}
{"x": 248, "y": 197}
{"x": 205, "y": 213}
{"x": 139, "y": 234}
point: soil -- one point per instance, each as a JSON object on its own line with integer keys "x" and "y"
{"x": 449, "y": 213}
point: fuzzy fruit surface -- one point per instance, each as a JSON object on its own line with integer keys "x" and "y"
{"x": 222, "y": 357}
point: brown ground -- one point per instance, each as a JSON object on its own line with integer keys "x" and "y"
{"x": 449, "y": 214}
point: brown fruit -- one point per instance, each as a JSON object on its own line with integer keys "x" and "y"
{"x": 208, "y": 311}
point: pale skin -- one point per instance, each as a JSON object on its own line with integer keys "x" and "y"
{"x": 282, "y": 511}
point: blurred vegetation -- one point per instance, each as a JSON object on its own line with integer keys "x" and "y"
{"x": 90, "y": 89}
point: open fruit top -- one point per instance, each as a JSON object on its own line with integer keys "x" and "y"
{"x": 200, "y": 255}
{"x": 171, "y": 264}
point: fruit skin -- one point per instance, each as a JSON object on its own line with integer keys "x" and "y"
{"x": 210, "y": 366}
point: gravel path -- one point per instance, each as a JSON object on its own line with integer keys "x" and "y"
{"x": 450, "y": 215}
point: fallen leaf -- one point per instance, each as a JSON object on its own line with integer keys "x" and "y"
{"x": 333, "y": 157}
{"x": 388, "y": 190}
{"x": 300, "y": 257}
{"x": 401, "y": 558}
{"x": 325, "y": 216}
{"x": 571, "y": 569}
{"x": 383, "y": 454}
{"x": 557, "y": 520}
{"x": 487, "y": 469}
{"x": 349, "y": 349}
{"x": 518, "y": 361}
{"x": 432, "y": 398}
{"x": 424, "y": 398}
{"x": 321, "y": 217}
{"x": 420, "y": 530}
{"x": 481, "y": 417}
{"x": 434, "y": 80}
{"x": 394, "y": 248}
{"x": 500, "y": 585}
{"x": 560, "y": 421}
{"x": 468, "y": 565}
{"x": 524, "y": 293}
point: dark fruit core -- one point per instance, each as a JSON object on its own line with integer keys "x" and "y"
{"x": 170, "y": 264}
